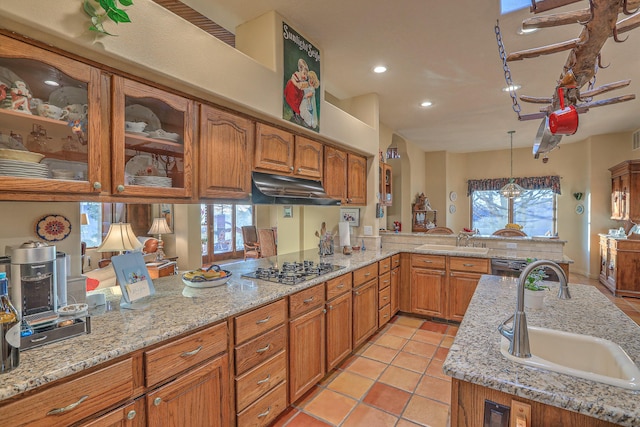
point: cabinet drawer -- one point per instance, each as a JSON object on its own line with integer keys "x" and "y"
{"x": 384, "y": 280}
{"x": 474, "y": 265}
{"x": 306, "y": 300}
{"x": 338, "y": 286}
{"x": 258, "y": 321}
{"x": 384, "y": 297}
{"x": 92, "y": 393}
{"x": 384, "y": 265}
{"x": 260, "y": 349}
{"x": 260, "y": 380}
{"x": 177, "y": 356}
{"x": 428, "y": 261}
{"x": 265, "y": 409}
{"x": 384, "y": 315}
{"x": 395, "y": 261}
{"x": 364, "y": 274}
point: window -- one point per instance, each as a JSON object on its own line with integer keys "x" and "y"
{"x": 535, "y": 210}
{"x": 91, "y": 233}
{"x": 221, "y": 230}
{"x": 507, "y": 6}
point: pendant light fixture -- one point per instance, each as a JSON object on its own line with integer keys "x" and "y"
{"x": 511, "y": 190}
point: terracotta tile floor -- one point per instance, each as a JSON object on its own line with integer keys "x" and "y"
{"x": 396, "y": 379}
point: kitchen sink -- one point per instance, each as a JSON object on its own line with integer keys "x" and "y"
{"x": 582, "y": 356}
{"x": 452, "y": 248}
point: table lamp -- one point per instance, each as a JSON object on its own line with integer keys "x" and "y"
{"x": 120, "y": 238}
{"x": 160, "y": 227}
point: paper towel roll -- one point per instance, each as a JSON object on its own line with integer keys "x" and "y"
{"x": 345, "y": 233}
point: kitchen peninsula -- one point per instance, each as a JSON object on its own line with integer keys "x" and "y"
{"x": 480, "y": 371}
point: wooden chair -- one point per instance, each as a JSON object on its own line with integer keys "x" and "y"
{"x": 267, "y": 241}
{"x": 440, "y": 230}
{"x": 509, "y": 232}
{"x": 251, "y": 245}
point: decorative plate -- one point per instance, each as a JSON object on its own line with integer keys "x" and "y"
{"x": 580, "y": 209}
{"x": 452, "y": 209}
{"x": 53, "y": 228}
{"x": 140, "y": 113}
{"x": 453, "y": 196}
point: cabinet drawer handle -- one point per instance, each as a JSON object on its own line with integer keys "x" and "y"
{"x": 468, "y": 265}
{"x": 157, "y": 401}
{"x": 386, "y": 281}
{"x": 39, "y": 339}
{"x": 265, "y": 413}
{"x": 263, "y": 349}
{"x": 427, "y": 261}
{"x": 131, "y": 415}
{"x": 266, "y": 380}
{"x": 367, "y": 274}
{"x": 385, "y": 298}
{"x": 299, "y": 170}
{"x": 265, "y": 320}
{"x": 68, "y": 408}
{"x": 192, "y": 352}
{"x": 340, "y": 286}
{"x": 385, "y": 316}
{"x": 308, "y": 300}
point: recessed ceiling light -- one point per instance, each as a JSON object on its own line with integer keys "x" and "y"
{"x": 51, "y": 83}
{"x": 523, "y": 31}
{"x": 380, "y": 69}
{"x": 426, "y": 104}
{"x": 511, "y": 88}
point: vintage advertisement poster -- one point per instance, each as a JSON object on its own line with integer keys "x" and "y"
{"x": 301, "y": 94}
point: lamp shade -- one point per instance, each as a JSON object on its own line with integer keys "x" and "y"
{"x": 84, "y": 219}
{"x": 159, "y": 226}
{"x": 119, "y": 238}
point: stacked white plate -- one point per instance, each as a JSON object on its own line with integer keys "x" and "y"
{"x": 10, "y": 167}
{"x": 152, "y": 181}
{"x": 63, "y": 174}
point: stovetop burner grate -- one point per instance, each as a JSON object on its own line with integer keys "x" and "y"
{"x": 293, "y": 273}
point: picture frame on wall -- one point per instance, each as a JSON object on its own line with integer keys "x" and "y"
{"x": 287, "y": 211}
{"x": 350, "y": 215}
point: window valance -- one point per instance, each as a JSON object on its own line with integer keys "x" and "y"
{"x": 528, "y": 183}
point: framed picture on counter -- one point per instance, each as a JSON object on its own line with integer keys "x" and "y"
{"x": 134, "y": 280}
{"x": 350, "y": 215}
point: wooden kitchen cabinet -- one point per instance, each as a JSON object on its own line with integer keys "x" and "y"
{"x": 335, "y": 173}
{"x": 63, "y": 143}
{"x": 198, "y": 398}
{"x": 226, "y": 152}
{"x": 339, "y": 322}
{"x": 385, "y": 187}
{"x": 306, "y": 340}
{"x": 279, "y": 151}
{"x": 428, "y": 285}
{"x": 621, "y": 266}
{"x": 156, "y": 162}
{"x": 356, "y": 179}
{"x": 395, "y": 284}
{"x": 365, "y": 303}
{"x": 464, "y": 274}
{"x": 625, "y": 191}
{"x": 130, "y": 415}
{"x": 384, "y": 291}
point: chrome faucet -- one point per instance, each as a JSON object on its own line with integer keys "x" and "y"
{"x": 460, "y": 237}
{"x": 518, "y": 335}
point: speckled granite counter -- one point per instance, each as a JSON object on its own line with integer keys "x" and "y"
{"x": 475, "y": 355}
{"x": 174, "y": 310}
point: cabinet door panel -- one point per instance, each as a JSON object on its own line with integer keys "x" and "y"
{"x": 335, "y": 173}
{"x": 309, "y": 158}
{"x": 461, "y": 289}
{"x": 395, "y": 290}
{"x": 365, "y": 311}
{"x": 226, "y": 150}
{"x": 306, "y": 352}
{"x": 427, "y": 292}
{"x": 274, "y": 149}
{"x": 339, "y": 326}
{"x": 199, "y": 398}
{"x": 357, "y": 179}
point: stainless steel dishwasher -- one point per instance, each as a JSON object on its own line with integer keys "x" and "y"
{"x": 513, "y": 268}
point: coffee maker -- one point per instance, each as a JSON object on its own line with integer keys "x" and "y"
{"x": 33, "y": 279}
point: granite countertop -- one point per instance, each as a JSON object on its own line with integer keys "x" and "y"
{"x": 173, "y": 310}
{"x": 475, "y": 354}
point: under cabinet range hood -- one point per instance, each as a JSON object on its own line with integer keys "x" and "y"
{"x": 270, "y": 189}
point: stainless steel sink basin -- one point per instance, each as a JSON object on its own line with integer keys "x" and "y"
{"x": 582, "y": 356}
{"x": 452, "y": 248}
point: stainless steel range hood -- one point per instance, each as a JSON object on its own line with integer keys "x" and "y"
{"x": 286, "y": 190}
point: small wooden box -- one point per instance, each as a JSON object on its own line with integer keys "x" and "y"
{"x": 161, "y": 269}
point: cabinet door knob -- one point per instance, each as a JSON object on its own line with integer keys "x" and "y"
{"x": 120, "y": 188}
{"x": 69, "y": 407}
{"x": 131, "y": 415}
{"x": 157, "y": 401}
{"x": 330, "y": 307}
{"x": 97, "y": 185}
{"x": 291, "y": 168}
{"x": 299, "y": 170}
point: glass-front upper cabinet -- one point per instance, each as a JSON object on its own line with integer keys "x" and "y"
{"x": 49, "y": 122}
{"x": 152, "y": 141}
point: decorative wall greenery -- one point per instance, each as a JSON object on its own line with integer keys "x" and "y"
{"x": 107, "y": 9}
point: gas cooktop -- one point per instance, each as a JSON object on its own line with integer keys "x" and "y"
{"x": 293, "y": 273}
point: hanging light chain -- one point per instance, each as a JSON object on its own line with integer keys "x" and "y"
{"x": 507, "y": 72}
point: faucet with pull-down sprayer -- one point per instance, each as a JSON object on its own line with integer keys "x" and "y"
{"x": 518, "y": 335}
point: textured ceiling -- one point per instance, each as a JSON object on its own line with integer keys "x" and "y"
{"x": 444, "y": 52}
